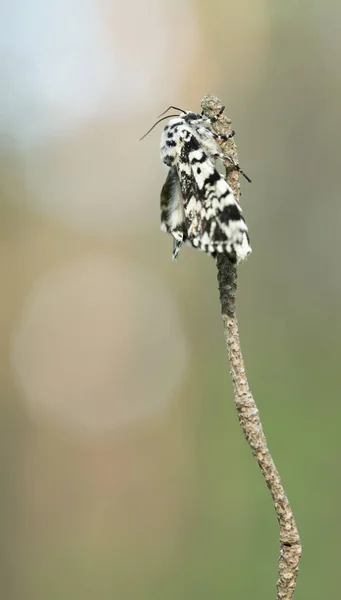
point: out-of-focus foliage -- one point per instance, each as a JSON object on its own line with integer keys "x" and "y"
{"x": 124, "y": 473}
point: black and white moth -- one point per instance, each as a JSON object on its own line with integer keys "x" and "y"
{"x": 197, "y": 204}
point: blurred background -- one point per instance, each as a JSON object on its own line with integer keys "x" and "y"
{"x": 124, "y": 473}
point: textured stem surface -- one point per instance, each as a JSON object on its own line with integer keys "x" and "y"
{"x": 248, "y": 414}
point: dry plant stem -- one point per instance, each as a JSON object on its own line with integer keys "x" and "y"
{"x": 248, "y": 415}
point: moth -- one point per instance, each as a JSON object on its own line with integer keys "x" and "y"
{"x": 198, "y": 207}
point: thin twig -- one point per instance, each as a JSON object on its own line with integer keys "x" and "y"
{"x": 248, "y": 415}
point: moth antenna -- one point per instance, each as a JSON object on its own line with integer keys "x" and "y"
{"x": 157, "y": 122}
{"x": 174, "y": 108}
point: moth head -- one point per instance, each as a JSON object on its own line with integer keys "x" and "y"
{"x": 191, "y": 116}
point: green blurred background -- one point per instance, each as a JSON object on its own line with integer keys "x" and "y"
{"x": 124, "y": 473}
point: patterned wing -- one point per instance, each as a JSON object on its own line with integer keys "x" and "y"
{"x": 172, "y": 210}
{"x": 214, "y": 220}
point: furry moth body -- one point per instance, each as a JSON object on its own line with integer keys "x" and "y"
{"x": 197, "y": 204}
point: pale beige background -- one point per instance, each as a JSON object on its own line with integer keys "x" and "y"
{"x": 123, "y": 472}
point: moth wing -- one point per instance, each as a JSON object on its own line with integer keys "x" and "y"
{"x": 172, "y": 209}
{"x": 215, "y": 223}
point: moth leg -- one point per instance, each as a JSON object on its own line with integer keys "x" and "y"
{"x": 176, "y": 247}
{"x": 223, "y": 138}
{"x": 178, "y": 238}
{"x": 233, "y": 163}
{"x": 218, "y": 114}
{"x": 214, "y": 119}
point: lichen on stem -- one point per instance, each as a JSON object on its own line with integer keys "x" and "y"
{"x": 248, "y": 414}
